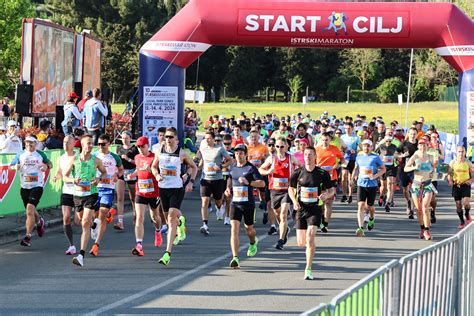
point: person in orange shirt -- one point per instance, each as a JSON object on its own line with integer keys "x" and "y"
{"x": 257, "y": 152}
{"x": 326, "y": 158}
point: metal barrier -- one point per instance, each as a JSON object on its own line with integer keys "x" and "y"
{"x": 437, "y": 280}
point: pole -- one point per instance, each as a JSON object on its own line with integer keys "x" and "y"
{"x": 409, "y": 88}
{"x": 196, "y": 84}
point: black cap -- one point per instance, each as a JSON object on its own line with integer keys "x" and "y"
{"x": 241, "y": 147}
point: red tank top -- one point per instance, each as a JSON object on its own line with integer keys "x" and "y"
{"x": 280, "y": 178}
{"x": 236, "y": 141}
{"x": 146, "y": 184}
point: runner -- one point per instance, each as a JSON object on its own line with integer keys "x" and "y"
{"x": 127, "y": 153}
{"x": 32, "y": 165}
{"x": 407, "y": 149}
{"x": 327, "y": 159}
{"x": 82, "y": 171}
{"x": 423, "y": 166}
{"x": 435, "y": 149}
{"x": 167, "y": 170}
{"x": 352, "y": 142}
{"x": 243, "y": 178}
{"x": 268, "y": 213}
{"x": 214, "y": 159}
{"x": 147, "y": 194}
{"x": 279, "y": 168}
{"x": 302, "y": 134}
{"x": 67, "y": 199}
{"x": 368, "y": 168}
{"x": 310, "y": 187}
{"x": 106, "y": 188}
{"x": 227, "y": 141}
{"x": 460, "y": 177}
{"x": 388, "y": 152}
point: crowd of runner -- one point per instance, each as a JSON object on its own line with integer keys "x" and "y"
{"x": 288, "y": 167}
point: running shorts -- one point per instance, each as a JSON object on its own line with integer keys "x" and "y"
{"x": 308, "y": 216}
{"x": 81, "y": 202}
{"x": 366, "y": 194}
{"x": 460, "y": 192}
{"x": 239, "y": 211}
{"x": 31, "y": 196}
{"x": 278, "y": 197}
{"x": 212, "y": 187}
{"x": 67, "y": 200}
{"x": 171, "y": 198}
{"x": 152, "y": 202}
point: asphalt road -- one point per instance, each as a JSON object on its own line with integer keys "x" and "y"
{"x": 42, "y": 280}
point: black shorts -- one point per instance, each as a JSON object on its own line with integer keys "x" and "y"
{"x": 31, "y": 196}
{"x": 350, "y": 166}
{"x": 152, "y": 202}
{"x": 366, "y": 194}
{"x": 308, "y": 215}
{"x": 171, "y": 198}
{"x": 461, "y": 192}
{"x": 82, "y": 202}
{"x": 406, "y": 178}
{"x": 247, "y": 212}
{"x": 279, "y": 197}
{"x": 391, "y": 172}
{"x": 215, "y": 188}
{"x": 67, "y": 200}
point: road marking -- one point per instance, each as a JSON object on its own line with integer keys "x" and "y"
{"x": 166, "y": 283}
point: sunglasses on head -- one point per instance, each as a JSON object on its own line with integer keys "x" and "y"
{"x": 169, "y": 136}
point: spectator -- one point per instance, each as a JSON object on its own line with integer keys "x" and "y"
{"x": 13, "y": 143}
{"x": 72, "y": 116}
{"x": 6, "y": 107}
{"x": 95, "y": 113}
{"x": 3, "y": 135}
{"x": 81, "y": 104}
{"x": 78, "y": 133}
{"x": 45, "y": 139}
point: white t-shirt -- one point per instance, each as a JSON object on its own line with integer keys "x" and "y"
{"x": 12, "y": 145}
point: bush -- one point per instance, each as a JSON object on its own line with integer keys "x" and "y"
{"x": 390, "y": 88}
{"x": 363, "y": 96}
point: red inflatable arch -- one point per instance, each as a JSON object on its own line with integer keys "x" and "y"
{"x": 304, "y": 23}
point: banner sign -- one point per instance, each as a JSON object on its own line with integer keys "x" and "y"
{"x": 160, "y": 108}
{"x": 470, "y": 116}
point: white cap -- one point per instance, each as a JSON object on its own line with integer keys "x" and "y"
{"x": 367, "y": 141}
{"x": 2, "y": 128}
{"x": 30, "y": 139}
{"x": 11, "y": 123}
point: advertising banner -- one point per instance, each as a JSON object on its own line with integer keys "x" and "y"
{"x": 470, "y": 116}
{"x": 91, "y": 64}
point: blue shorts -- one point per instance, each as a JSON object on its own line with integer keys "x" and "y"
{"x": 106, "y": 198}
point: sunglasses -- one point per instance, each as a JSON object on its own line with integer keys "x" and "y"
{"x": 169, "y": 136}
{"x": 102, "y": 144}
{"x": 338, "y": 133}
{"x": 271, "y": 145}
{"x": 227, "y": 144}
{"x": 279, "y": 146}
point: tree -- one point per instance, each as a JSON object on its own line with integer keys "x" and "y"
{"x": 13, "y": 11}
{"x": 361, "y": 64}
{"x": 295, "y": 84}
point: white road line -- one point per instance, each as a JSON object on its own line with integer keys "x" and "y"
{"x": 166, "y": 283}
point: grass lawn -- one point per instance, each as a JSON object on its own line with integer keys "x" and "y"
{"x": 444, "y": 115}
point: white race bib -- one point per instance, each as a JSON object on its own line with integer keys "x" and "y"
{"x": 210, "y": 168}
{"x": 280, "y": 183}
{"x": 309, "y": 195}
{"x": 83, "y": 188}
{"x": 145, "y": 186}
{"x": 388, "y": 160}
{"x": 240, "y": 194}
{"x": 366, "y": 172}
{"x": 31, "y": 180}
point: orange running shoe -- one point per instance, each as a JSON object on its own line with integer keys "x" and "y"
{"x": 138, "y": 250}
{"x": 110, "y": 215}
{"x": 94, "y": 250}
{"x": 158, "y": 238}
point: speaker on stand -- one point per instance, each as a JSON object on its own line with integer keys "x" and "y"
{"x": 23, "y": 99}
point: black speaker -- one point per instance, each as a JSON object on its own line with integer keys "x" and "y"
{"x": 23, "y": 99}
{"x": 59, "y": 117}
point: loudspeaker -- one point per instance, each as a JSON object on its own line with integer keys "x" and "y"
{"x": 59, "y": 117}
{"x": 23, "y": 99}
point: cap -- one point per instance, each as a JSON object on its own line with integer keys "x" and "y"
{"x": 127, "y": 133}
{"x": 367, "y": 141}
{"x": 73, "y": 95}
{"x": 30, "y": 139}
{"x": 240, "y": 147}
{"x": 11, "y": 123}
{"x": 398, "y": 128}
{"x": 142, "y": 141}
{"x": 304, "y": 140}
{"x": 89, "y": 93}
{"x": 2, "y": 128}
{"x": 422, "y": 141}
{"x": 388, "y": 138}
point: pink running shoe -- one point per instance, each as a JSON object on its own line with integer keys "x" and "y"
{"x": 158, "y": 238}
{"x": 138, "y": 250}
{"x": 40, "y": 228}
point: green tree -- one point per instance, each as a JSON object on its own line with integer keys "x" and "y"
{"x": 361, "y": 64}
{"x": 13, "y": 11}
{"x": 295, "y": 84}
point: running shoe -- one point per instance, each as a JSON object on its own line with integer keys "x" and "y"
{"x": 26, "y": 242}
{"x": 265, "y": 217}
{"x": 411, "y": 214}
{"x": 287, "y": 234}
{"x": 468, "y": 218}
{"x": 349, "y": 200}
{"x": 110, "y": 215}
{"x": 79, "y": 260}
{"x": 235, "y": 263}
{"x": 205, "y": 229}
{"x": 227, "y": 220}
{"x": 94, "y": 250}
{"x": 164, "y": 229}
{"x": 95, "y": 231}
{"x": 158, "y": 238}
{"x": 182, "y": 228}
{"x": 360, "y": 232}
{"x": 371, "y": 224}
{"x": 272, "y": 231}
{"x": 252, "y": 251}
{"x": 71, "y": 250}
{"x": 432, "y": 216}
{"x": 344, "y": 199}
{"x": 461, "y": 226}
{"x": 323, "y": 228}
{"x": 427, "y": 235}
{"x": 366, "y": 219}
{"x": 138, "y": 250}
{"x": 40, "y": 227}
{"x": 380, "y": 200}
{"x": 308, "y": 274}
{"x": 119, "y": 226}
{"x": 280, "y": 244}
{"x": 210, "y": 209}
{"x": 387, "y": 207}
{"x": 422, "y": 234}
{"x": 220, "y": 213}
{"x": 165, "y": 260}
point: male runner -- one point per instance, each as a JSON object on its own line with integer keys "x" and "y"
{"x": 368, "y": 168}
{"x": 352, "y": 142}
{"x": 167, "y": 170}
{"x": 244, "y": 176}
{"x": 310, "y": 187}
{"x": 279, "y": 168}
{"x": 32, "y": 164}
{"x": 388, "y": 153}
{"x": 407, "y": 149}
{"x": 227, "y": 142}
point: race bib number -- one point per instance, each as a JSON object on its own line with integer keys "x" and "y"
{"x": 309, "y": 195}
{"x": 240, "y": 194}
{"x": 127, "y": 175}
{"x": 388, "y": 160}
{"x": 83, "y": 188}
{"x": 366, "y": 172}
{"x": 169, "y": 171}
{"x": 31, "y": 178}
{"x": 145, "y": 186}
{"x": 327, "y": 168}
{"x": 210, "y": 168}
{"x": 107, "y": 180}
{"x": 280, "y": 183}
{"x": 256, "y": 162}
